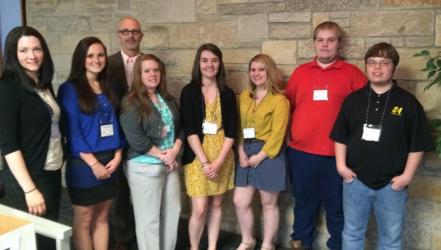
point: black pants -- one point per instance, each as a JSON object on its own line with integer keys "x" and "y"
{"x": 48, "y": 183}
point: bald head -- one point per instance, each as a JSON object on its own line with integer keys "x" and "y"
{"x": 129, "y": 35}
{"x": 128, "y": 21}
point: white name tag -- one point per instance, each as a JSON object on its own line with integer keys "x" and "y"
{"x": 164, "y": 132}
{"x": 106, "y": 130}
{"x": 55, "y": 130}
{"x": 209, "y": 128}
{"x": 320, "y": 95}
{"x": 371, "y": 132}
{"x": 249, "y": 133}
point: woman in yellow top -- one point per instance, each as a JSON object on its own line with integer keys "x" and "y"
{"x": 209, "y": 120}
{"x": 264, "y": 114}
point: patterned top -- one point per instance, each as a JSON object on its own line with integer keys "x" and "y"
{"x": 54, "y": 157}
{"x": 197, "y": 184}
{"x": 168, "y": 132}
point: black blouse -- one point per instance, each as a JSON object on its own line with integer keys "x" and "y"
{"x": 25, "y": 124}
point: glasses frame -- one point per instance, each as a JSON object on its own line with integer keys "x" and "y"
{"x": 382, "y": 63}
{"x": 126, "y": 32}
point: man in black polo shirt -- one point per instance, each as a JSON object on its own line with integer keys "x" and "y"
{"x": 380, "y": 136}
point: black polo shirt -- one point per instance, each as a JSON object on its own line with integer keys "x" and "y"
{"x": 404, "y": 129}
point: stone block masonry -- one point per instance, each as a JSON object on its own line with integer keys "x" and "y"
{"x": 283, "y": 29}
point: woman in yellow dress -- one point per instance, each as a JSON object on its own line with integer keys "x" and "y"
{"x": 209, "y": 119}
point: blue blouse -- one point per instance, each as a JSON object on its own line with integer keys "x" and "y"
{"x": 84, "y": 130}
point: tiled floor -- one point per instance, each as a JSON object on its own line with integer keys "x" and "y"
{"x": 227, "y": 241}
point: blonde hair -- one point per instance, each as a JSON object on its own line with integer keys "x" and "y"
{"x": 274, "y": 77}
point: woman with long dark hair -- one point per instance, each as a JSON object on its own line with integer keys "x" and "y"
{"x": 95, "y": 142}
{"x": 209, "y": 119}
{"x": 30, "y": 138}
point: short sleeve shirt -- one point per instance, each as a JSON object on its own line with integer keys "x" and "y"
{"x": 404, "y": 129}
{"x": 311, "y": 121}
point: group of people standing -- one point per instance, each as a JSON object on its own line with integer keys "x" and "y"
{"x": 352, "y": 140}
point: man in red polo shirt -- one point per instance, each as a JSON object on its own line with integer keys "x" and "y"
{"x": 316, "y": 91}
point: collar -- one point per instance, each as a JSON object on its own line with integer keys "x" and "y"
{"x": 392, "y": 89}
{"x": 126, "y": 57}
{"x": 336, "y": 65}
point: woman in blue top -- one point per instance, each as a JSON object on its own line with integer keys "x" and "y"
{"x": 95, "y": 143}
{"x": 150, "y": 120}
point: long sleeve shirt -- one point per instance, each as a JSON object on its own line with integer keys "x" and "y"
{"x": 84, "y": 130}
{"x": 269, "y": 119}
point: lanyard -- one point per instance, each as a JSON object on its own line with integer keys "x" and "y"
{"x": 213, "y": 113}
{"x": 50, "y": 104}
{"x": 322, "y": 84}
{"x": 369, "y": 104}
{"x": 250, "y": 119}
{"x": 101, "y": 111}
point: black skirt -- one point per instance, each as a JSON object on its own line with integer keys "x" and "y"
{"x": 86, "y": 195}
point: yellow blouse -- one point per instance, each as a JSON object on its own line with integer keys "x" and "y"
{"x": 269, "y": 119}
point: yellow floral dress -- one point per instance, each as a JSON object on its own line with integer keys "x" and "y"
{"x": 196, "y": 183}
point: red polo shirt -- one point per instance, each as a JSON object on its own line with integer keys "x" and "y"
{"x": 312, "y": 120}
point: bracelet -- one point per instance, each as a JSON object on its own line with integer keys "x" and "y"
{"x": 94, "y": 164}
{"x": 30, "y": 191}
{"x": 205, "y": 163}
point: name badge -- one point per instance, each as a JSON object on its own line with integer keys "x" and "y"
{"x": 320, "y": 95}
{"x": 249, "y": 133}
{"x": 55, "y": 130}
{"x": 106, "y": 130}
{"x": 164, "y": 132}
{"x": 371, "y": 132}
{"x": 209, "y": 128}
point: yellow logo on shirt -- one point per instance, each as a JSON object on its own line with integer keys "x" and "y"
{"x": 397, "y": 111}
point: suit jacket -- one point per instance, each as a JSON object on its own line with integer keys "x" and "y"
{"x": 117, "y": 75}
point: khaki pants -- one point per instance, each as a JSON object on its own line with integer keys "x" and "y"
{"x": 156, "y": 198}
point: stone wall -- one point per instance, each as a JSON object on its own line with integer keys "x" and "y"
{"x": 281, "y": 28}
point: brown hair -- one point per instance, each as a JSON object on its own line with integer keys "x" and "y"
{"x": 12, "y": 65}
{"x": 328, "y": 25}
{"x": 384, "y": 50}
{"x": 86, "y": 97}
{"x": 138, "y": 96}
{"x": 196, "y": 75}
{"x": 274, "y": 77}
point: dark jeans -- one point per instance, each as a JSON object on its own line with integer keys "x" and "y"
{"x": 315, "y": 181}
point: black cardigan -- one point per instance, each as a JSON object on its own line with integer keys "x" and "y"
{"x": 192, "y": 114}
{"x": 25, "y": 124}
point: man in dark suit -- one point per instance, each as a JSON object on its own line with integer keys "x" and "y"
{"x": 121, "y": 63}
{"x": 120, "y": 73}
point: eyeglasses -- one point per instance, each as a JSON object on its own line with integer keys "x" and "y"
{"x": 383, "y": 63}
{"x": 126, "y": 32}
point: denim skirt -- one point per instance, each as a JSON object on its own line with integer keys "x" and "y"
{"x": 270, "y": 175}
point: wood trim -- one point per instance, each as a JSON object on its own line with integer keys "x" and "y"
{"x": 23, "y": 12}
